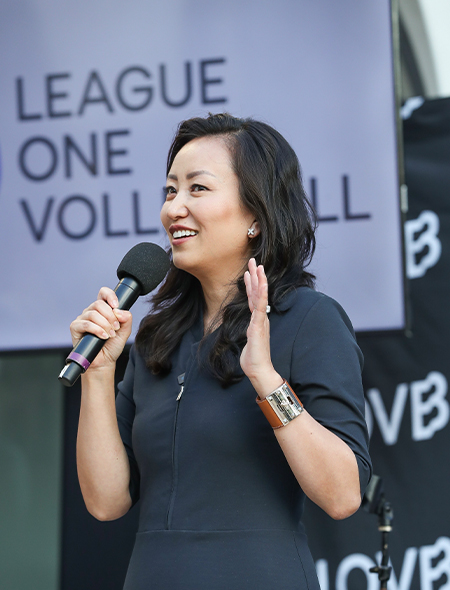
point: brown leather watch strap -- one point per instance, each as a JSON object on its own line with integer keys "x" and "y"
{"x": 268, "y": 411}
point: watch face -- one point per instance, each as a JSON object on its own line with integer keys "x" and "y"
{"x": 284, "y": 404}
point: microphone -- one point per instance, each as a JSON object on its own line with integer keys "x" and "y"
{"x": 141, "y": 271}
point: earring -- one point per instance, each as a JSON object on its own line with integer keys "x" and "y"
{"x": 250, "y": 232}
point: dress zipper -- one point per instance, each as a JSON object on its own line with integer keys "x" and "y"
{"x": 172, "y": 493}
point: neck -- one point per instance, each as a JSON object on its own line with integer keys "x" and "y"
{"x": 219, "y": 287}
{"x": 216, "y": 295}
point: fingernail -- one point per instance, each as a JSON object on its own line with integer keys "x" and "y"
{"x": 105, "y": 335}
{"x": 112, "y": 333}
{"x": 116, "y": 325}
{"x": 115, "y": 303}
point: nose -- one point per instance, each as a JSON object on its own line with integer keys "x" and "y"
{"x": 177, "y": 208}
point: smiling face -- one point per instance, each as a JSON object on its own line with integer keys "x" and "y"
{"x": 203, "y": 215}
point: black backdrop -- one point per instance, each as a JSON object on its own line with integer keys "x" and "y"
{"x": 405, "y": 378}
{"x": 405, "y": 381}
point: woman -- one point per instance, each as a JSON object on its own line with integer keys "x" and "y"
{"x": 221, "y": 491}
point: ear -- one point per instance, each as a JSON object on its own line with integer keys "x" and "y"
{"x": 255, "y": 226}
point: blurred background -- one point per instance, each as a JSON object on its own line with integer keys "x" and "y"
{"x": 49, "y": 542}
{"x": 425, "y": 47}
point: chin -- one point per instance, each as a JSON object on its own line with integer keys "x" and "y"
{"x": 181, "y": 262}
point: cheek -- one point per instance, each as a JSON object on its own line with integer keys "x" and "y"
{"x": 163, "y": 216}
{"x": 231, "y": 215}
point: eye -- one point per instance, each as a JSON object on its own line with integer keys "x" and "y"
{"x": 169, "y": 192}
{"x": 196, "y": 188}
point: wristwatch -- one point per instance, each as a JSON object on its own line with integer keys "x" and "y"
{"x": 281, "y": 406}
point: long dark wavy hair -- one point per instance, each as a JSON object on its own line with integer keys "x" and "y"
{"x": 271, "y": 189}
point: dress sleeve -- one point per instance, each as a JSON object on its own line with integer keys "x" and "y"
{"x": 326, "y": 370}
{"x": 126, "y": 409}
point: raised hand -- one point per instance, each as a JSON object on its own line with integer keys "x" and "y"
{"x": 255, "y": 357}
{"x": 103, "y": 319}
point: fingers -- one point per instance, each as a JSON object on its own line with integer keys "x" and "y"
{"x": 248, "y": 288}
{"x": 101, "y": 318}
{"x": 252, "y": 284}
{"x": 93, "y": 322}
{"x": 108, "y": 295}
{"x": 263, "y": 290}
{"x": 256, "y": 286}
{"x": 255, "y": 357}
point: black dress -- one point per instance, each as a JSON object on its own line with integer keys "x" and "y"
{"x": 219, "y": 506}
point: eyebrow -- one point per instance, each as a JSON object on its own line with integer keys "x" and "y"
{"x": 191, "y": 174}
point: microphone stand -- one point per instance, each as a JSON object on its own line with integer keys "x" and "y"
{"x": 374, "y": 501}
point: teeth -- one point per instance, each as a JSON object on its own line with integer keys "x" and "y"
{"x": 183, "y": 233}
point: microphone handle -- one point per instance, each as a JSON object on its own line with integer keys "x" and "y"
{"x": 79, "y": 360}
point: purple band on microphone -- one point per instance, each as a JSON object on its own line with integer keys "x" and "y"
{"x": 74, "y": 356}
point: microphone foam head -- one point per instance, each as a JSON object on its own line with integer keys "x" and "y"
{"x": 147, "y": 263}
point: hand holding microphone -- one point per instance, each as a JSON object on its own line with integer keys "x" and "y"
{"x": 106, "y": 323}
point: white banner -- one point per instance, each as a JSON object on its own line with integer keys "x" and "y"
{"x": 91, "y": 93}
